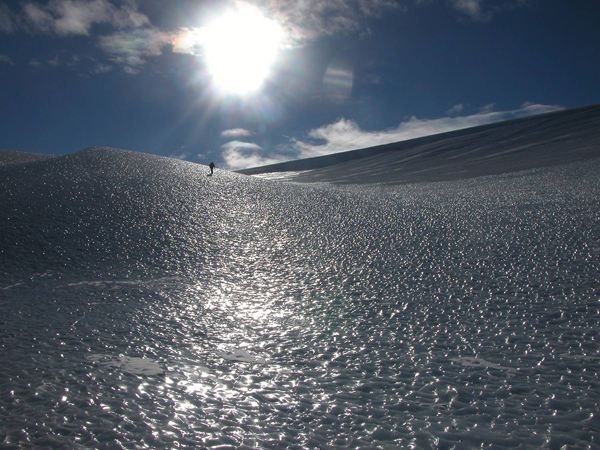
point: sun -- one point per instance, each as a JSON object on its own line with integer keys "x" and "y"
{"x": 240, "y": 48}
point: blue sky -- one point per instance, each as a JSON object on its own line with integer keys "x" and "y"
{"x": 248, "y": 83}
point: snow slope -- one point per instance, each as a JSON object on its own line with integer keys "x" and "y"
{"x": 145, "y": 304}
{"x": 544, "y": 140}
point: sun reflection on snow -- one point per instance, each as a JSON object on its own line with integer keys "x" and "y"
{"x": 232, "y": 364}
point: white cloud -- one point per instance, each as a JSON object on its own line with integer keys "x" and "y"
{"x": 236, "y": 133}
{"x": 309, "y": 19}
{"x": 137, "y": 40}
{"x": 303, "y": 19}
{"x": 239, "y": 154}
{"x": 471, "y": 8}
{"x": 130, "y": 49}
{"x": 456, "y": 109}
{"x": 5, "y": 59}
{"x": 179, "y": 155}
{"x": 37, "y": 17}
{"x": 346, "y": 134}
{"x": 100, "y": 68}
{"x": 72, "y": 17}
{"x": 484, "y": 10}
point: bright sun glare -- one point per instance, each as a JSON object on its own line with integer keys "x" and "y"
{"x": 240, "y": 48}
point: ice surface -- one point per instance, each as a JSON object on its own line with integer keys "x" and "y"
{"x": 240, "y": 356}
{"x": 129, "y": 364}
{"x": 457, "y": 314}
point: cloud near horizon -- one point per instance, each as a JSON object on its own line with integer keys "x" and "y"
{"x": 239, "y": 154}
{"x": 344, "y": 135}
{"x": 236, "y": 133}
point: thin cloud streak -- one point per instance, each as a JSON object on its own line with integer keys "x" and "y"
{"x": 236, "y": 133}
{"x": 5, "y": 59}
{"x": 7, "y": 20}
{"x": 310, "y": 19}
{"x": 130, "y": 49}
{"x": 471, "y": 8}
{"x": 345, "y": 134}
{"x": 485, "y": 10}
{"x": 77, "y": 17}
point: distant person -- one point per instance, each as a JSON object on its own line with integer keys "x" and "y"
{"x": 212, "y": 167}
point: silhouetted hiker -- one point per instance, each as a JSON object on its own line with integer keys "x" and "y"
{"x": 212, "y": 167}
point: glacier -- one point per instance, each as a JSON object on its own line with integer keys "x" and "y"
{"x": 436, "y": 293}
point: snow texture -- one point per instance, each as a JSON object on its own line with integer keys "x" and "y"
{"x": 144, "y": 304}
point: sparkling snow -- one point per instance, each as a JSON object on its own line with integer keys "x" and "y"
{"x": 143, "y": 304}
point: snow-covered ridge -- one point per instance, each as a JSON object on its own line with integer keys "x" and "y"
{"x": 105, "y": 206}
{"x": 545, "y": 140}
{"x": 11, "y": 157}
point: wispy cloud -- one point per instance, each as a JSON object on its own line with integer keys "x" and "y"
{"x": 7, "y": 19}
{"x": 101, "y": 68}
{"x": 344, "y": 134}
{"x": 470, "y": 8}
{"x": 484, "y": 10}
{"x": 347, "y": 135}
{"x": 303, "y": 20}
{"x": 179, "y": 156}
{"x": 456, "y": 109}
{"x": 239, "y": 154}
{"x": 77, "y": 17}
{"x": 131, "y": 49}
{"x": 309, "y": 19}
{"x": 133, "y": 39}
{"x": 236, "y": 133}
{"x": 5, "y": 59}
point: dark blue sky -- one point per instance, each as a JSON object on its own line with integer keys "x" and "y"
{"x": 77, "y": 73}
